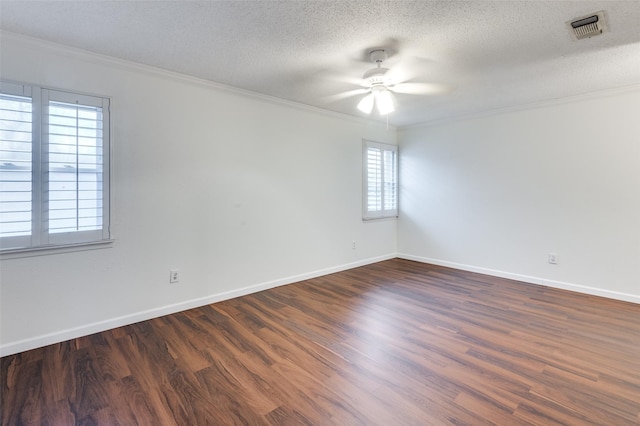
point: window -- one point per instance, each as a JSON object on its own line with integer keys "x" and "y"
{"x": 54, "y": 168}
{"x": 380, "y": 197}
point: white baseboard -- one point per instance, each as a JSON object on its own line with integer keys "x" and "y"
{"x": 594, "y": 291}
{"x": 96, "y": 327}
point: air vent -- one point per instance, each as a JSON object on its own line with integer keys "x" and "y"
{"x": 587, "y": 26}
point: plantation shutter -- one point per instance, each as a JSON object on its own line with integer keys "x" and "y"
{"x": 390, "y": 177}
{"x": 54, "y": 168}
{"x": 380, "y": 180}
{"x": 74, "y": 184}
{"x": 374, "y": 179}
{"x": 16, "y": 151}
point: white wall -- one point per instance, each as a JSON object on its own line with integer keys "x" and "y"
{"x": 497, "y": 194}
{"x": 238, "y": 192}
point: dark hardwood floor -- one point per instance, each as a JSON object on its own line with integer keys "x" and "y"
{"x": 394, "y": 343}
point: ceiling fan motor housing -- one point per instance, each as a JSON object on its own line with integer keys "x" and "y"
{"x": 375, "y": 76}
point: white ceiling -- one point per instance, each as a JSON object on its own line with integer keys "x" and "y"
{"x": 496, "y": 54}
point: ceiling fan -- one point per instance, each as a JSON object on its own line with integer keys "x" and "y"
{"x": 379, "y": 92}
{"x": 380, "y": 85}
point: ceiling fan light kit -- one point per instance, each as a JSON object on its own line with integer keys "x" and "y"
{"x": 381, "y": 97}
{"x": 384, "y": 99}
{"x": 366, "y": 104}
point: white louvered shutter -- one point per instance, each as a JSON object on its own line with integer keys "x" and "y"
{"x": 16, "y": 150}
{"x": 74, "y": 184}
{"x": 54, "y": 168}
{"x": 380, "y": 180}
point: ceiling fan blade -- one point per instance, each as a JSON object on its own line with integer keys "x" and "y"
{"x": 355, "y": 81}
{"x": 423, "y": 88}
{"x": 411, "y": 68}
{"x": 344, "y": 95}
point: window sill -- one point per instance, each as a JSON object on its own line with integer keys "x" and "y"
{"x": 48, "y": 250}
{"x": 377, "y": 219}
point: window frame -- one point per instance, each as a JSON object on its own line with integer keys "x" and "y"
{"x": 382, "y": 212}
{"x": 40, "y": 238}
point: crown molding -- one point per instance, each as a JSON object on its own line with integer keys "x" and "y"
{"x": 616, "y": 91}
{"x": 86, "y": 55}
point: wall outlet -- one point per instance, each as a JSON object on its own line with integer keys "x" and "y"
{"x": 353, "y": 245}
{"x": 174, "y": 276}
{"x": 553, "y": 258}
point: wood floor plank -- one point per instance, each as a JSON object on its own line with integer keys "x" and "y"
{"x": 392, "y": 343}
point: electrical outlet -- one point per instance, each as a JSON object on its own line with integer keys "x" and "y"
{"x": 174, "y": 276}
{"x": 553, "y": 258}
{"x": 353, "y": 245}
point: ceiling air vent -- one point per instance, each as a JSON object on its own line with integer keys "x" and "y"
{"x": 587, "y": 26}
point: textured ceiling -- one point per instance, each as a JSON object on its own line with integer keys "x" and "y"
{"x": 492, "y": 54}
